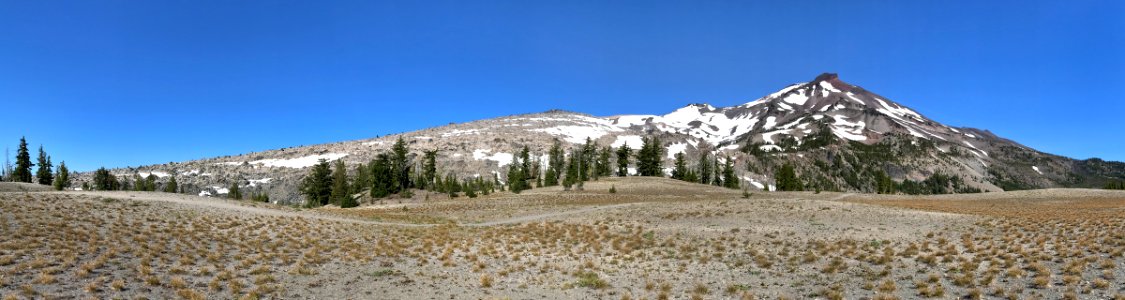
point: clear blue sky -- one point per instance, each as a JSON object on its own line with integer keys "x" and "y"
{"x": 127, "y": 83}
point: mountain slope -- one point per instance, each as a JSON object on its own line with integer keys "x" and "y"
{"x": 839, "y": 137}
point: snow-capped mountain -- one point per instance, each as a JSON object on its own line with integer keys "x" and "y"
{"x": 837, "y": 134}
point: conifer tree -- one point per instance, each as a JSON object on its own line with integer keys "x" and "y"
{"x": 729, "y": 179}
{"x": 717, "y": 178}
{"x": 525, "y": 163}
{"x": 235, "y": 193}
{"x": 104, "y": 181}
{"x": 649, "y": 158}
{"x": 62, "y": 177}
{"x": 362, "y": 179}
{"x": 573, "y": 170}
{"x": 138, "y": 183}
{"x": 317, "y": 185}
{"x": 555, "y": 163}
{"x": 150, "y": 183}
{"x": 680, "y": 167}
{"x": 704, "y": 168}
{"x": 516, "y": 181}
{"x": 400, "y": 167}
{"x": 429, "y": 169}
{"x": 585, "y": 165}
{"x": 381, "y": 178}
{"x": 623, "y": 154}
{"x": 43, "y": 174}
{"x": 172, "y": 186}
{"x": 340, "y": 190}
{"x": 22, "y": 173}
{"x": 604, "y": 169}
{"x": 787, "y": 179}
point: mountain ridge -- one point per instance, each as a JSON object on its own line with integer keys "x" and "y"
{"x": 823, "y": 122}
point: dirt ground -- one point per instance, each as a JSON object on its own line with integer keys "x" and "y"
{"x": 653, "y": 239}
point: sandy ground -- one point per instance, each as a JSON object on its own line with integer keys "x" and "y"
{"x": 653, "y": 239}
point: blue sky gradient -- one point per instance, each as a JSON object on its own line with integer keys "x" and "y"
{"x": 128, "y": 83}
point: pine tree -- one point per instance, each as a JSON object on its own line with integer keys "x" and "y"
{"x": 381, "y": 179}
{"x": 586, "y": 163}
{"x": 150, "y": 184}
{"x": 22, "y": 173}
{"x": 717, "y": 177}
{"x": 555, "y": 163}
{"x": 62, "y": 177}
{"x": 317, "y": 185}
{"x": 400, "y": 167}
{"x": 429, "y": 169}
{"x": 883, "y": 183}
{"x": 729, "y": 179}
{"x": 138, "y": 183}
{"x": 623, "y": 154}
{"x": 235, "y": 193}
{"x": 680, "y": 168}
{"x": 604, "y": 169}
{"x": 104, "y": 181}
{"x": 172, "y": 186}
{"x": 704, "y": 168}
{"x": 573, "y": 170}
{"x": 516, "y": 181}
{"x": 787, "y": 179}
{"x": 43, "y": 174}
{"x": 649, "y": 161}
{"x": 362, "y": 179}
{"x": 340, "y": 190}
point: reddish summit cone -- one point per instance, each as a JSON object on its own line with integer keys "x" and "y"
{"x": 834, "y": 80}
{"x": 827, "y": 77}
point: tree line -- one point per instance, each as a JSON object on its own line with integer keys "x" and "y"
{"x": 396, "y": 173}
{"x": 46, "y": 174}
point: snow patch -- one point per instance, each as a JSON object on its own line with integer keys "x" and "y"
{"x": 158, "y": 174}
{"x": 256, "y": 182}
{"x": 634, "y": 141}
{"x": 578, "y": 134}
{"x": 676, "y": 148}
{"x": 297, "y": 163}
{"x": 1036, "y": 168}
{"x": 501, "y": 158}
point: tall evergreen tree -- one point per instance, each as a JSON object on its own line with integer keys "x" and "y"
{"x": 172, "y": 186}
{"x": 22, "y": 173}
{"x": 604, "y": 169}
{"x": 729, "y": 179}
{"x": 362, "y": 179}
{"x": 704, "y": 168}
{"x": 104, "y": 181}
{"x": 317, "y": 185}
{"x": 649, "y": 161}
{"x": 679, "y": 169}
{"x": 573, "y": 170}
{"x": 883, "y": 183}
{"x": 586, "y": 164}
{"x": 717, "y": 178}
{"x": 400, "y": 167}
{"x": 62, "y": 177}
{"x": 381, "y": 178}
{"x": 341, "y": 192}
{"x": 525, "y": 164}
{"x": 555, "y": 164}
{"x": 150, "y": 183}
{"x": 43, "y": 174}
{"x": 623, "y": 155}
{"x": 429, "y": 169}
{"x": 787, "y": 179}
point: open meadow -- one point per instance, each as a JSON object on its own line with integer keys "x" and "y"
{"x": 652, "y": 239}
